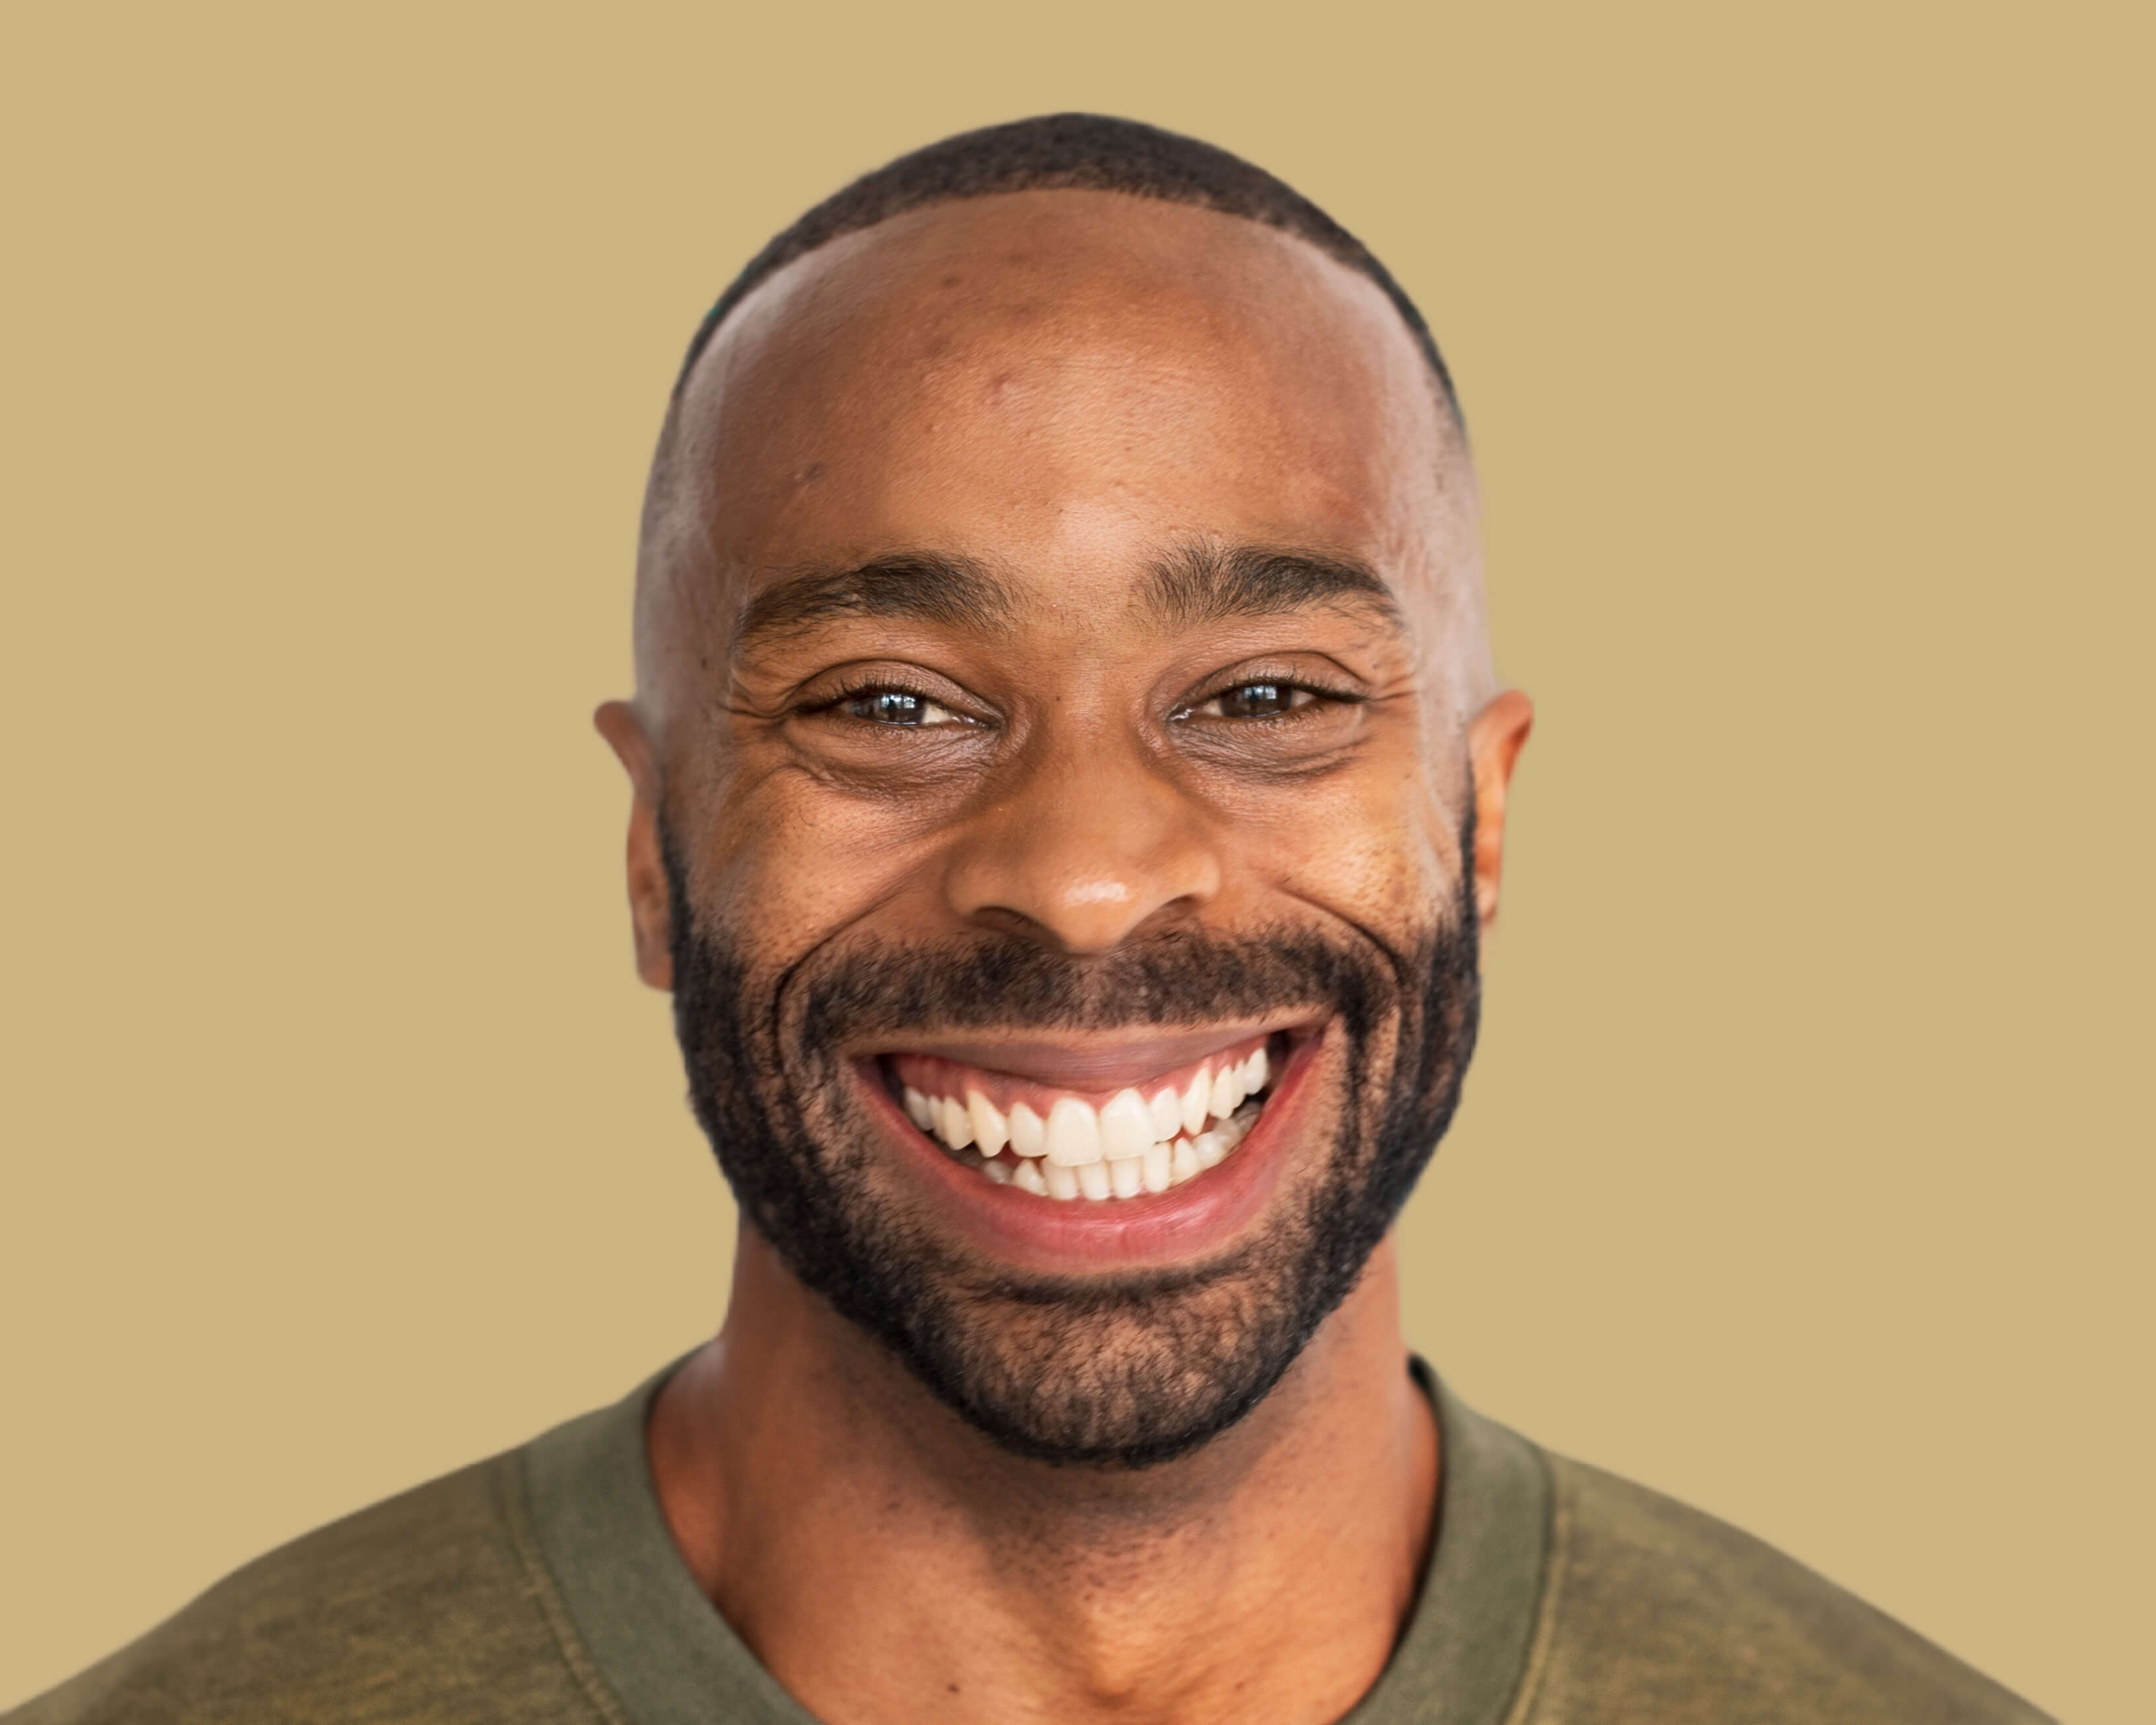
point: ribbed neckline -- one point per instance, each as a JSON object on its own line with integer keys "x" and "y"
{"x": 671, "y": 1659}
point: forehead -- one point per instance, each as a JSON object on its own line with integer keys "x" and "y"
{"x": 1063, "y": 386}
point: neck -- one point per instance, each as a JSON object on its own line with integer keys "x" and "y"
{"x": 885, "y": 1561}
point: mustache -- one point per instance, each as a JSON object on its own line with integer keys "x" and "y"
{"x": 1181, "y": 977}
{"x": 1184, "y": 976}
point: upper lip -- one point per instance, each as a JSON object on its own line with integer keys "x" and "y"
{"x": 1097, "y": 1062}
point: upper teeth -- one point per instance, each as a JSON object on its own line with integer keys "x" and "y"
{"x": 1131, "y": 1143}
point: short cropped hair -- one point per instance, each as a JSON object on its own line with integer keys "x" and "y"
{"x": 1090, "y": 152}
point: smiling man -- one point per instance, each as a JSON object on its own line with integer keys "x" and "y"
{"x": 1070, "y": 787}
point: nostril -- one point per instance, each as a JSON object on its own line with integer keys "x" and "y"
{"x": 1004, "y": 920}
{"x": 1081, "y": 872}
{"x": 1079, "y": 926}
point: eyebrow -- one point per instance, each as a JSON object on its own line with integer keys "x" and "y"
{"x": 927, "y": 587}
{"x": 1194, "y": 585}
{"x": 1202, "y": 583}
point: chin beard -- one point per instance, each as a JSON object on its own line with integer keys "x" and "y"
{"x": 1124, "y": 1371}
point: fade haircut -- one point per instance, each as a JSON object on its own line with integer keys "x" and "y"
{"x": 1089, "y": 152}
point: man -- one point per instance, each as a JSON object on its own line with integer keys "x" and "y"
{"x": 1070, "y": 786}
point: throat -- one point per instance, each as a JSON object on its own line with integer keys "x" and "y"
{"x": 884, "y": 1562}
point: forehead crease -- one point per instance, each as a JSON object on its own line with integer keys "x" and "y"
{"x": 1202, "y": 583}
{"x": 927, "y": 586}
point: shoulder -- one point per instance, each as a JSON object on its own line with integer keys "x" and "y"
{"x": 431, "y": 1605}
{"x": 1652, "y": 1611}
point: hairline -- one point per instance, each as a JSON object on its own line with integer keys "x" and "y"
{"x": 776, "y": 259}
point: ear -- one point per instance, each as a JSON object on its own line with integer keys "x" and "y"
{"x": 650, "y": 908}
{"x": 1494, "y": 743}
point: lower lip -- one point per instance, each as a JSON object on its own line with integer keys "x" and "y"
{"x": 1049, "y": 1236}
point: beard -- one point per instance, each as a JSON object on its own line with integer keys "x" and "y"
{"x": 1124, "y": 1371}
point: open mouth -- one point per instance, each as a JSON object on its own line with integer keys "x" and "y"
{"x": 1071, "y": 1145}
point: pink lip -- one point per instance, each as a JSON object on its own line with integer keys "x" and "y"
{"x": 1184, "y": 1225}
{"x": 936, "y": 1075}
{"x": 1101, "y": 1065}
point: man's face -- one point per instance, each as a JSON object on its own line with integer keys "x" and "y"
{"x": 1059, "y": 636}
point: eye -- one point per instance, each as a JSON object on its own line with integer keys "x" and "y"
{"x": 898, "y": 706}
{"x": 1264, "y": 699}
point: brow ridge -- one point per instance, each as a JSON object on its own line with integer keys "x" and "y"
{"x": 1196, "y": 584}
{"x": 929, "y": 587}
{"x": 1208, "y": 582}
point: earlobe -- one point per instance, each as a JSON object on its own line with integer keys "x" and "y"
{"x": 651, "y": 907}
{"x": 1494, "y": 743}
{"x": 650, "y": 898}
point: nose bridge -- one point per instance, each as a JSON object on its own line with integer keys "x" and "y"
{"x": 1093, "y": 839}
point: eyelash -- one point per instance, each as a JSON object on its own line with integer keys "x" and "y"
{"x": 870, "y": 686}
{"x": 1294, "y": 685}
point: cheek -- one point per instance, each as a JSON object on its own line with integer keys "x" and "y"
{"x": 780, "y": 863}
{"x": 1378, "y": 845}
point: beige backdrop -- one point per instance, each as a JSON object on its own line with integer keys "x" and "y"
{"x": 1805, "y": 1172}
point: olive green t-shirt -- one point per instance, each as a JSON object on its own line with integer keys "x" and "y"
{"x": 542, "y": 1586}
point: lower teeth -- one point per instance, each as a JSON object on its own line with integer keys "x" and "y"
{"x": 1131, "y": 1177}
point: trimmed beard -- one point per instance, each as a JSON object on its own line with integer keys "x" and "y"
{"x": 1127, "y": 1371}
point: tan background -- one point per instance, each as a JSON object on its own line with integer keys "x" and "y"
{"x": 1805, "y": 1173}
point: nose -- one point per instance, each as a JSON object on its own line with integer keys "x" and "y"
{"x": 1089, "y": 850}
